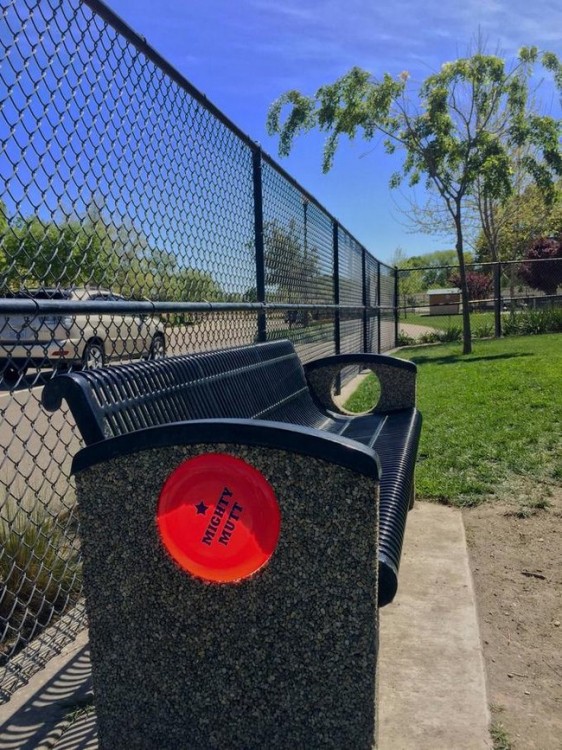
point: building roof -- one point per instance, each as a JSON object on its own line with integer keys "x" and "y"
{"x": 454, "y": 290}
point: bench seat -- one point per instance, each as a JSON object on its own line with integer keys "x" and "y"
{"x": 265, "y": 383}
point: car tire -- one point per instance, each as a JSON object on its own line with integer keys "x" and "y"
{"x": 157, "y": 347}
{"x": 93, "y": 356}
{"x": 13, "y": 374}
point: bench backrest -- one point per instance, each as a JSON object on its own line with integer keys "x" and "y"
{"x": 260, "y": 381}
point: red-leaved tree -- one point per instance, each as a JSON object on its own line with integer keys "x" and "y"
{"x": 544, "y": 269}
{"x": 479, "y": 285}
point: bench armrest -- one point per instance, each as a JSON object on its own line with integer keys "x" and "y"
{"x": 249, "y": 432}
{"x": 397, "y": 378}
{"x": 86, "y": 412}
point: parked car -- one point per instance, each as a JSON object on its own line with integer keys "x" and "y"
{"x": 83, "y": 340}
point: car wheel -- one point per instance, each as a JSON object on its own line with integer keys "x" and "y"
{"x": 13, "y": 374}
{"x": 93, "y": 356}
{"x": 157, "y": 347}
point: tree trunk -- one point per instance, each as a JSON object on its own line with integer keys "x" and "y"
{"x": 466, "y": 334}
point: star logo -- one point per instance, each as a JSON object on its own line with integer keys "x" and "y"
{"x": 202, "y": 508}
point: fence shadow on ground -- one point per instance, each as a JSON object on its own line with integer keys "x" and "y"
{"x": 45, "y": 716}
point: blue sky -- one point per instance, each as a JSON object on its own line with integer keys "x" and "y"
{"x": 243, "y": 54}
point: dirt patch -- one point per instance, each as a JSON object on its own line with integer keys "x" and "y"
{"x": 515, "y": 555}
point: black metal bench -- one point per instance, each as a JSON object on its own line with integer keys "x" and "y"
{"x": 248, "y": 394}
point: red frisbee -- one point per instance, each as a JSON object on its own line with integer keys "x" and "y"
{"x": 218, "y": 517}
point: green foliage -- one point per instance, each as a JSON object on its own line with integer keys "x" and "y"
{"x": 91, "y": 249}
{"x": 484, "y": 330}
{"x": 291, "y": 264}
{"x": 523, "y": 217}
{"x": 451, "y": 143}
{"x": 405, "y": 340}
{"x": 500, "y": 737}
{"x": 528, "y": 322}
{"x": 40, "y": 570}
{"x": 520, "y": 322}
{"x": 451, "y": 333}
{"x": 434, "y": 269}
{"x": 34, "y": 252}
{"x": 440, "y": 322}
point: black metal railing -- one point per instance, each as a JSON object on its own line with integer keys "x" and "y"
{"x": 505, "y": 297}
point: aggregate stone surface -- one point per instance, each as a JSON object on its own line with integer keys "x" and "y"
{"x": 284, "y": 659}
{"x": 397, "y": 387}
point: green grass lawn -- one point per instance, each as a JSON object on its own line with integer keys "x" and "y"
{"x": 492, "y": 420}
{"x": 443, "y": 322}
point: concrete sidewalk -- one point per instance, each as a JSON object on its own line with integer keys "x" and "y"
{"x": 432, "y": 690}
{"x": 432, "y": 686}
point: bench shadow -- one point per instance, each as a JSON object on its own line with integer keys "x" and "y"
{"x": 452, "y": 359}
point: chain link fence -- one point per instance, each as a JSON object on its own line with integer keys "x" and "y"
{"x": 135, "y": 221}
{"x": 506, "y": 297}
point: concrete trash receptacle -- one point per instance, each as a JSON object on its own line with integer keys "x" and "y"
{"x": 276, "y": 650}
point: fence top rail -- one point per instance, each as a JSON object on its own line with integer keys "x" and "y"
{"x": 477, "y": 263}
{"x": 139, "y": 41}
{"x": 32, "y": 306}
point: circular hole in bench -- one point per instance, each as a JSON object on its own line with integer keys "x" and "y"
{"x": 356, "y": 391}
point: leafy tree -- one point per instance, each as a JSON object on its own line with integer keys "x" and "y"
{"x": 195, "y": 285}
{"x": 290, "y": 266}
{"x": 513, "y": 226}
{"x": 546, "y": 275}
{"x": 250, "y": 295}
{"x": 468, "y": 117}
{"x": 479, "y": 284}
{"x": 94, "y": 250}
{"x": 35, "y": 252}
{"x": 3, "y": 219}
{"x": 436, "y": 267}
{"x": 410, "y": 281}
{"x": 4, "y": 227}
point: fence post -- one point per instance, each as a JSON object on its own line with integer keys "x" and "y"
{"x": 336, "y": 250}
{"x": 365, "y": 300}
{"x": 396, "y": 298}
{"x": 258, "y": 240}
{"x": 379, "y": 322}
{"x": 497, "y": 301}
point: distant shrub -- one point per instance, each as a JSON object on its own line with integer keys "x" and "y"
{"x": 483, "y": 331}
{"x": 40, "y": 572}
{"x": 430, "y": 337}
{"x": 529, "y": 322}
{"x": 452, "y": 333}
{"x": 405, "y": 340}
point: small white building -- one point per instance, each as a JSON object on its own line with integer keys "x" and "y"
{"x": 444, "y": 301}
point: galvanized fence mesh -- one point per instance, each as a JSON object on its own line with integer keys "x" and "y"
{"x": 135, "y": 221}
